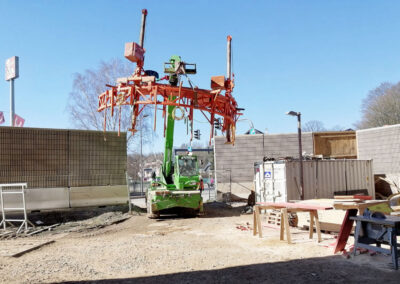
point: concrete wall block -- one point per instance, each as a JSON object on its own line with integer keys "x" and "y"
{"x": 380, "y": 144}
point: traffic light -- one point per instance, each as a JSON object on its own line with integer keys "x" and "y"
{"x": 197, "y": 134}
{"x": 217, "y": 123}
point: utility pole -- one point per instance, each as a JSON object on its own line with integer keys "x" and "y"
{"x": 300, "y": 156}
{"x": 12, "y": 104}
{"x": 12, "y": 72}
{"x": 141, "y": 43}
{"x": 298, "y": 114}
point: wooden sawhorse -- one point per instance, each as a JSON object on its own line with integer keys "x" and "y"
{"x": 286, "y": 208}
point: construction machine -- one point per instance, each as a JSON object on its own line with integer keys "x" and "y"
{"x": 179, "y": 183}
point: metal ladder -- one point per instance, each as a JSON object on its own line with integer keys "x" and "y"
{"x": 16, "y": 189}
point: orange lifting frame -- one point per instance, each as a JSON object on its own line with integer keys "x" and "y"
{"x": 140, "y": 91}
{"x": 140, "y": 96}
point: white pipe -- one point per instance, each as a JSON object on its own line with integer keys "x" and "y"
{"x": 143, "y": 27}
{"x": 12, "y": 105}
{"x": 228, "y": 58}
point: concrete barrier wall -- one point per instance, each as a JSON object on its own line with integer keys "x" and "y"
{"x": 47, "y": 199}
{"x": 287, "y": 145}
{"x": 235, "y": 164}
{"x": 39, "y": 199}
{"x": 380, "y": 144}
{"x": 98, "y": 196}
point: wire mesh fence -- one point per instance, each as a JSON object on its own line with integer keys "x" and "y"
{"x": 46, "y": 158}
{"x": 136, "y": 189}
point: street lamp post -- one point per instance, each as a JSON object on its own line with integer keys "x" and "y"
{"x": 12, "y": 72}
{"x": 141, "y": 153}
{"x": 252, "y": 129}
{"x": 298, "y": 114}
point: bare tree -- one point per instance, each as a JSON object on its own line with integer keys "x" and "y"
{"x": 134, "y": 162}
{"x": 337, "y": 128}
{"x": 381, "y": 106}
{"x": 83, "y": 102}
{"x": 195, "y": 145}
{"x": 313, "y": 126}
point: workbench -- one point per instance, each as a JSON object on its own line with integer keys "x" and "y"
{"x": 288, "y": 207}
{"x": 378, "y": 231}
{"x": 351, "y": 211}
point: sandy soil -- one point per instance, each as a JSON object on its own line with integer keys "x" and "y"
{"x": 196, "y": 250}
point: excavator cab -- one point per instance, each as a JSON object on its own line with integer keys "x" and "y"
{"x": 187, "y": 166}
{"x": 186, "y": 172}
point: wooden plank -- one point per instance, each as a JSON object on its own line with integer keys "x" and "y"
{"x": 16, "y": 248}
{"x": 330, "y": 227}
{"x": 317, "y": 225}
{"x": 311, "y": 230}
{"x": 287, "y": 227}
{"x": 349, "y": 200}
{"x": 395, "y": 208}
{"x": 354, "y": 205}
{"x": 254, "y": 220}
{"x": 7, "y": 234}
{"x": 282, "y": 229}
{"x": 294, "y": 205}
{"x": 43, "y": 229}
{"x": 259, "y": 222}
{"x": 33, "y": 248}
{"x": 363, "y": 197}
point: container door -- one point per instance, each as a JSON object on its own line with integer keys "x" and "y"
{"x": 274, "y": 182}
{"x": 359, "y": 177}
{"x": 279, "y": 183}
{"x": 293, "y": 180}
{"x": 268, "y": 182}
{"x": 331, "y": 178}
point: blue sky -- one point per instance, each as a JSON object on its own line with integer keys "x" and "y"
{"x": 317, "y": 57}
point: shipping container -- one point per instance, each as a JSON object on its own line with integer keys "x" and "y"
{"x": 279, "y": 181}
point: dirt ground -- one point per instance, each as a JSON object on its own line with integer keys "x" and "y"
{"x": 218, "y": 247}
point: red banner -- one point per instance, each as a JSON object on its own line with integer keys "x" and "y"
{"x": 1, "y": 117}
{"x": 18, "y": 121}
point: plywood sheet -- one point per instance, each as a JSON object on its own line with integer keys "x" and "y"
{"x": 341, "y": 144}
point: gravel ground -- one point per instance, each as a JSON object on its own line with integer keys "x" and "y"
{"x": 218, "y": 247}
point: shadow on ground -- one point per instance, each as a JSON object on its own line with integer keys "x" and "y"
{"x": 332, "y": 269}
{"x": 211, "y": 210}
{"x": 220, "y": 209}
{"x": 74, "y": 215}
{"x": 110, "y": 213}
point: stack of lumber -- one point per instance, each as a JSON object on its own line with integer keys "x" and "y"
{"x": 331, "y": 220}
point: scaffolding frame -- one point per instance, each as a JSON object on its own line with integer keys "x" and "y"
{"x": 16, "y": 189}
